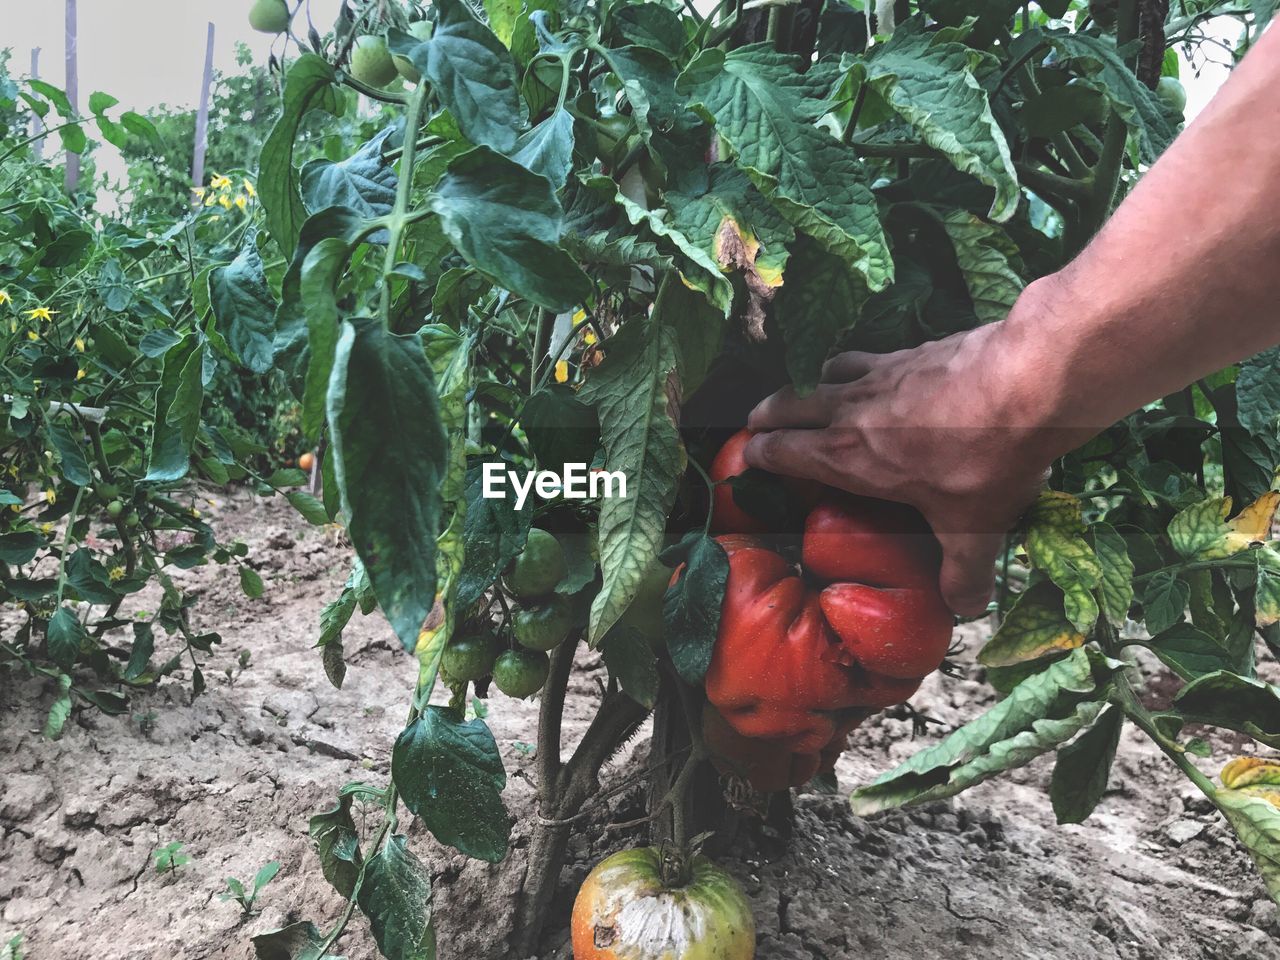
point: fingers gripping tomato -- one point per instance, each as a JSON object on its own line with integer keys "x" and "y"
{"x": 802, "y": 656}
{"x": 726, "y": 515}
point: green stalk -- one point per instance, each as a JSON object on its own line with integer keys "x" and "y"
{"x": 66, "y": 544}
{"x": 404, "y": 190}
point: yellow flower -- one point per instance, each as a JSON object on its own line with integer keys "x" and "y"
{"x": 588, "y": 337}
{"x": 16, "y": 507}
{"x": 241, "y": 203}
{"x": 79, "y": 342}
{"x": 562, "y": 371}
{"x": 198, "y": 191}
{"x": 249, "y": 189}
{"x": 210, "y": 200}
{"x": 215, "y": 218}
{"x": 80, "y": 374}
{"x": 50, "y": 497}
{"x": 5, "y": 298}
{"x": 225, "y": 200}
{"x": 32, "y": 335}
{"x": 220, "y": 182}
{"x": 41, "y": 313}
{"x": 579, "y": 316}
{"x": 116, "y": 573}
{"x": 46, "y": 528}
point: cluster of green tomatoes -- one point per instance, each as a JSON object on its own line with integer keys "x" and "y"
{"x": 540, "y": 620}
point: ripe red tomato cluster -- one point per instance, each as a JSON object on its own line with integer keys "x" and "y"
{"x": 804, "y": 654}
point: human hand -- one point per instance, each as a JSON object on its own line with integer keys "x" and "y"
{"x": 957, "y": 428}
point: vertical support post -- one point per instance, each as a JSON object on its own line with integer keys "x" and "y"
{"x": 202, "y": 116}
{"x": 71, "y": 178}
{"x": 37, "y": 125}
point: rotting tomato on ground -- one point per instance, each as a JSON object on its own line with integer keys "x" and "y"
{"x": 651, "y": 903}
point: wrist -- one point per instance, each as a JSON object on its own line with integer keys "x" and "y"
{"x": 1038, "y": 350}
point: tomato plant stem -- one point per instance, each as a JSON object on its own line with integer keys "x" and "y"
{"x": 404, "y": 192}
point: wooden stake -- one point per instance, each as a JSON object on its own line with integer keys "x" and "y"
{"x": 71, "y": 179}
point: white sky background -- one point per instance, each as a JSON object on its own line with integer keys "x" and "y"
{"x": 151, "y": 52}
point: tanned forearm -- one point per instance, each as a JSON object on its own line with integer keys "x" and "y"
{"x": 1182, "y": 281}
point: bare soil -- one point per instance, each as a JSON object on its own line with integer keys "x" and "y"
{"x": 235, "y": 775}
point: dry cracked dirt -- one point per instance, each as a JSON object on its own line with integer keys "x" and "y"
{"x": 235, "y": 775}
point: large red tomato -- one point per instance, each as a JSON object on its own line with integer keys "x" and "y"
{"x": 628, "y": 908}
{"x": 804, "y": 654}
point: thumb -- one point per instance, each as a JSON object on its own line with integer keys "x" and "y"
{"x": 968, "y": 570}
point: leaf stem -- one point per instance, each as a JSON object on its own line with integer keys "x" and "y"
{"x": 404, "y": 190}
{"x": 66, "y": 544}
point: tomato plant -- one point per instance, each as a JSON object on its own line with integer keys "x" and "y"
{"x": 595, "y": 234}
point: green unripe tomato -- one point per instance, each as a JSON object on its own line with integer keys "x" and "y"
{"x": 132, "y": 521}
{"x": 539, "y": 567}
{"x": 107, "y": 491}
{"x": 420, "y": 30}
{"x": 371, "y": 61}
{"x": 470, "y": 656}
{"x": 644, "y": 613}
{"x": 611, "y": 138}
{"x": 1173, "y": 93}
{"x": 521, "y": 673}
{"x": 114, "y": 509}
{"x": 543, "y": 626}
{"x": 269, "y": 16}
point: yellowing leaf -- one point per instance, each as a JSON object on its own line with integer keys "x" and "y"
{"x": 1055, "y": 543}
{"x": 1202, "y": 531}
{"x": 1037, "y": 625}
{"x": 1267, "y": 597}
{"x": 1248, "y": 771}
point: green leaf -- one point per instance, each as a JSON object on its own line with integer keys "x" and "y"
{"x": 1116, "y": 584}
{"x": 1035, "y": 627}
{"x": 1149, "y": 120}
{"x": 1043, "y": 711}
{"x": 631, "y": 661}
{"x": 760, "y": 105}
{"x": 75, "y": 468}
{"x": 474, "y": 76}
{"x": 816, "y": 281}
{"x": 144, "y": 645}
{"x": 19, "y": 547}
{"x": 251, "y": 583}
{"x": 561, "y": 428}
{"x": 932, "y": 86}
{"x": 708, "y": 277}
{"x": 633, "y": 392}
{"x": 1164, "y": 601}
{"x": 547, "y": 149}
{"x": 389, "y": 458}
{"x": 651, "y": 25}
{"x": 507, "y": 223}
{"x": 310, "y": 507}
{"x": 64, "y": 638}
{"x": 310, "y": 83}
{"x": 59, "y": 710}
{"x": 450, "y": 774}
{"x": 156, "y": 343}
{"x": 300, "y": 940}
{"x": 177, "y": 411}
{"x": 1258, "y": 392}
{"x": 89, "y": 579}
{"x": 364, "y": 182}
{"x": 1190, "y": 652}
{"x": 1224, "y": 699}
{"x": 244, "y": 307}
{"x": 691, "y": 608}
{"x": 1083, "y": 767}
{"x": 494, "y": 532}
{"x": 396, "y": 897}
{"x": 982, "y": 253}
{"x": 337, "y": 843}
